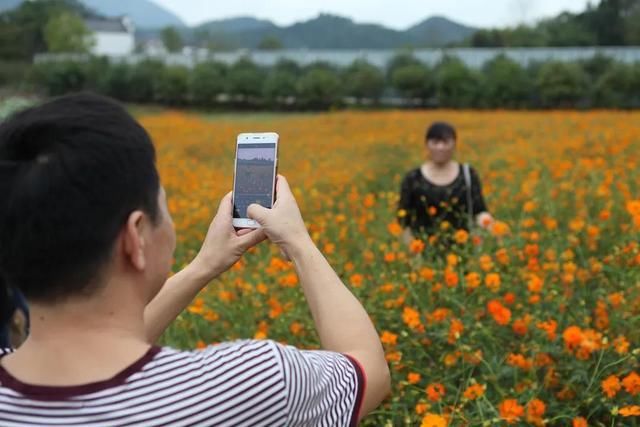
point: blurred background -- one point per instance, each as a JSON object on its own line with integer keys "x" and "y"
{"x": 283, "y": 55}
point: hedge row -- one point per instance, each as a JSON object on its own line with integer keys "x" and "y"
{"x": 501, "y": 83}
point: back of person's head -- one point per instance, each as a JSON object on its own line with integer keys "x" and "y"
{"x": 71, "y": 172}
{"x": 441, "y": 131}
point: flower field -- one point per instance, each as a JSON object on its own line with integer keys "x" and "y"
{"x": 536, "y": 323}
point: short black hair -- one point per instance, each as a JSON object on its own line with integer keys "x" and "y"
{"x": 441, "y": 131}
{"x": 71, "y": 172}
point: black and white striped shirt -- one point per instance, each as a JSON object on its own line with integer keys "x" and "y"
{"x": 243, "y": 383}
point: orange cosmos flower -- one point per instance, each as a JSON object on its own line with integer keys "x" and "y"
{"x": 422, "y": 407}
{"x": 411, "y": 317}
{"x": 451, "y": 278}
{"x": 500, "y": 313}
{"x": 511, "y": 411}
{"x": 413, "y": 378}
{"x": 417, "y": 246}
{"x": 433, "y": 420}
{"x": 394, "y": 229}
{"x": 579, "y": 422}
{"x": 492, "y": 281}
{"x": 611, "y": 386}
{"x": 389, "y": 338}
{"x": 461, "y": 237}
{"x": 500, "y": 229}
{"x": 435, "y": 392}
{"x": 472, "y": 280}
{"x": 630, "y": 411}
{"x": 535, "y": 410}
{"x": 572, "y": 337}
{"x": 474, "y": 391}
{"x": 631, "y": 383}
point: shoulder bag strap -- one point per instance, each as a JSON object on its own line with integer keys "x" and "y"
{"x": 467, "y": 179}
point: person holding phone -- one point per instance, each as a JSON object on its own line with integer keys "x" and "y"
{"x": 441, "y": 190}
{"x": 87, "y": 237}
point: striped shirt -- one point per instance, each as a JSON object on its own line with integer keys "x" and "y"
{"x": 243, "y": 383}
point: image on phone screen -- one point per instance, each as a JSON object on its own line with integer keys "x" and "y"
{"x": 255, "y": 169}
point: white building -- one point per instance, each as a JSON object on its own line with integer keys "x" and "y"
{"x": 112, "y": 36}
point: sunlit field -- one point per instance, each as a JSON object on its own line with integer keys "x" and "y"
{"x": 536, "y": 323}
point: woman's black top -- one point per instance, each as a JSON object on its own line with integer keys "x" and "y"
{"x": 424, "y": 205}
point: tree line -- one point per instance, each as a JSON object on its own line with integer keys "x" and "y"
{"x": 609, "y": 23}
{"x": 501, "y": 83}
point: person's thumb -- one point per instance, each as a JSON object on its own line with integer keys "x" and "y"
{"x": 257, "y": 213}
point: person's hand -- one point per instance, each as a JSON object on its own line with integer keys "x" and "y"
{"x": 224, "y": 246}
{"x": 282, "y": 224}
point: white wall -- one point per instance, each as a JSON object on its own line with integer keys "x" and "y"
{"x": 113, "y": 44}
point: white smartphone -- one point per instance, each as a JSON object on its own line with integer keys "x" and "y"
{"x": 254, "y": 177}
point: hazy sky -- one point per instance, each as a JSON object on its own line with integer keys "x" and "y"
{"x": 398, "y": 14}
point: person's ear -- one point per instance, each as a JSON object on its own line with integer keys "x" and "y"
{"x": 134, "y": 242}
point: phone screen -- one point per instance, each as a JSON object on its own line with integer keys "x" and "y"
{"x": 255, "y": 169}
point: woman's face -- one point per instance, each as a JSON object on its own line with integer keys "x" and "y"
{"x": 440, "y": 151}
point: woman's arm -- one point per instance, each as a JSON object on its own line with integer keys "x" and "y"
{"x": 482, "y": 216}
{"x": 222, "y": 248}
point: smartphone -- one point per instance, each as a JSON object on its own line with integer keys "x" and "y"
{"x": 254, "y": 177}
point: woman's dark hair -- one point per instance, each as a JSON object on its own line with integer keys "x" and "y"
{"x": 71, "y": 172}
{"x": 441, "y": 131}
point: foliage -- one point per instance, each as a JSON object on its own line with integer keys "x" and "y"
{"x": 561, "y": 84}
{"x": 171, "y": 39}
{"x": 501, "y": 83}
{"x": 67, "y": 33}
{"x": 609, "y": 23}
{"x": 414, "y": 82}
{"x": 22, "y": 30}
{"x": 364, "y": 81}
{"x": 318, "y": 88}
{"x": 207, "y": 82}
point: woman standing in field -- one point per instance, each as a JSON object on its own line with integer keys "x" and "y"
{"x": 441, "y": 195}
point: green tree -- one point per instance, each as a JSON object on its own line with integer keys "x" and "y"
{"x": 144, "y": 79}
{"x": 319, "y": 87}
{"x": 22, "y": 29}
{"x": 172, "y": 39}
{"x": 458, "y": 86}
{"x": 207, "y": 82}
{"x": 631, "y": 26}
{"x": 561, "y": 84}
{"x": 414, "y": 82}
{"x": 507, "y": 84}
{"x": 270, "y": 43}
{"x": 60, "y": 78}
{"x": 245, "y": 80}
{"x": 618, "y": 87}
{"x": 173, "y": 85}
{"x": 364, "y": 81}
{"x": 400, "y": 60}
{"x": 66, "y": 32}
{"x": 281, "y": 82}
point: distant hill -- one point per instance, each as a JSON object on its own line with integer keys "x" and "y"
{"x": 326, "y": 31}
{"x": 145, "y": 13}
{"x": 238, "y": 25}
{"x": 440, "y": 31}
{"x": 335, "y": 32}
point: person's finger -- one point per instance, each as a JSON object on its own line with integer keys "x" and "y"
{"x": 282, "y": 187}
{"x": 252, "y": 238}
{"x": 225, "y": 207}
{"x": 244, "y": 231}
{"x": 257, "y": 213}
